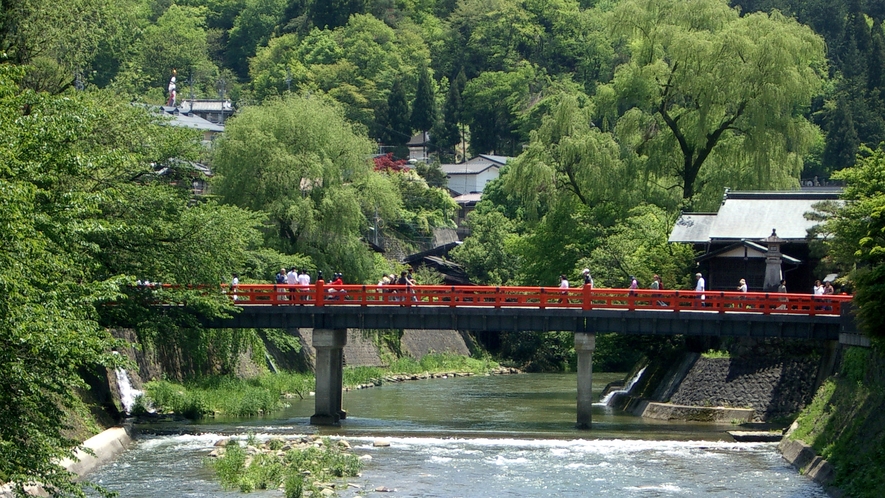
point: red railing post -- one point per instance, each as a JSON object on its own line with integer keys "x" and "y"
{"x": 320, "y": 293}
{"x": 543, "y": 303}
{"x": 587, "y": 303}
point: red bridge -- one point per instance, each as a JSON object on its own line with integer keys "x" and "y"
{"x": 584, "y": 298}
{"x": 331, "y": 309}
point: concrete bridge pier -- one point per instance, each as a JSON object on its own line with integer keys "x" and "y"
{"x": 585, "y": 344}
{"x": 329, "y": 366}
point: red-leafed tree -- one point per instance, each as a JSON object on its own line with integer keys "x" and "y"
{"x": 387, "y": 163}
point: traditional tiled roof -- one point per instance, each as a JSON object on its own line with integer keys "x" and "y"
{"x": 752, "y": 216}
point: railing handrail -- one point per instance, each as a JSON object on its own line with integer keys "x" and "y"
{"x": 582, "y": 298}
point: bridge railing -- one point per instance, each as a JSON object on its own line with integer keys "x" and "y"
{"x": 584, "y": 298}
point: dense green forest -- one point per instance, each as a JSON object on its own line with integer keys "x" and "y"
{"x": 618, "y": 114}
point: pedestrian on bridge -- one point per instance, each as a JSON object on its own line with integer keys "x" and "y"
{"x": 292, "y": 281}
{"x": 588, "y": 279}
{"x": 280, "y": 279}
{"x": 563, "y": 286}
{"x": 701, "y": 286}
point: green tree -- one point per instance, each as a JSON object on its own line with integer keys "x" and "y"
{"x": 492, "y": 103}
{"x": 176, "y": 41}
{"x": 330, "y": 14}
{"x": 252, "y": 28}
{"x": 448, "y": 133}
{"x": 488, "y": 255}
{"x": 54, "y": 36}
{"x": 423, "y": 111}
{"x": 299, "y": 160}
{"x": 842, "y": 142}
{"x": 714, "y": 99}
{"x": 853, "y": 236}
{"x": 395, "y": 125}
{"x": 84, "y": 214}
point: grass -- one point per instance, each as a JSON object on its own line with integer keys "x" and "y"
{"x": 226, "y": 395}
{"x": 431, "y": 363}
{"x": 714, "y": 354}
{"x": 248, "y": 469}
{"x": 845, "y": 424}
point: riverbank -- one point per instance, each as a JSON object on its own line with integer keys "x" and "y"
{"x": 266, "y": 393}
{"x": 839, "y": 439}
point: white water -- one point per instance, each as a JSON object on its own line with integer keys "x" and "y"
{"x": 626, "y": 390}
{"x": 491, "y": 467}
{"x": 127, "y": 392}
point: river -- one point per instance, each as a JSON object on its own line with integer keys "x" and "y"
{"x": 483, "y": 436}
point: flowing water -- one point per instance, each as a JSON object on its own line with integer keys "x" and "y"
{"x": 497, "y": 436}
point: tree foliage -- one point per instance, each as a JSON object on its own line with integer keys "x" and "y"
{"x": 712, "y": 98}
{"x": 84, "y": 215}
{"x": 300, "y": 161}
{"x": 854, "y": 236}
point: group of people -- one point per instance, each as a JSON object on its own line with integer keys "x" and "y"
{"x": 823, "y": 289}
{"x": 292, "y": 277}
{"x": 406, "y": 278}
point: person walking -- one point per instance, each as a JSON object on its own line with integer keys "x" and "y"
{"x": 782, "y": 289}
{"x": 234, "y": 285}
{"x": 292, "y": 281}
{"x": 303, "y": 282}
{"x": 280, "y": 279}
{"x": 563, "y": 287}
{"x": 657, "y": 285}
{"x": 588, "y": 279}
{"x": 742, "y": 286}
{"x": 700, "y": 286}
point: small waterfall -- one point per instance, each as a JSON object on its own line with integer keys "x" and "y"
{"x": 626, "y": 390}
{"x": 127, "y": 393}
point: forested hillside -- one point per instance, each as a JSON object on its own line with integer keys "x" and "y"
{"x": 617, "y": 113}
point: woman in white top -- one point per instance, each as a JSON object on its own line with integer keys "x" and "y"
{"x": 742, "y": 286}
{"x": 563, "y": 285}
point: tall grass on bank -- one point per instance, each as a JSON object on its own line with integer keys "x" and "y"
{"x": 226, "y": 395}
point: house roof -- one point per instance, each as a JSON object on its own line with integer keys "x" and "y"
{"x": 500, "y": 160}
{"x": 693, "y": 228}
{"x": 195, "y": 122}
{"x": 475, "y": 165}
{"x": 419, "y": 139}
{"x": 752, "y": 216}
{"x": 468, "y": 199}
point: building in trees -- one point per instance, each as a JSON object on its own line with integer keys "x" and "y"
{"x": 473, "y": 175}
{"x": 731, "y": 242}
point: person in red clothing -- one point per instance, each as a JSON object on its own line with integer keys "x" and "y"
{"x": 335, "y": 286}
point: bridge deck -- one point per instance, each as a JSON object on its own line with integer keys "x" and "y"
{"x": 484, "y": 308}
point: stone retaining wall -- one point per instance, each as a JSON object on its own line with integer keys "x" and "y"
{"x": 773, "y": 387}
{"x": 360, "y": 351}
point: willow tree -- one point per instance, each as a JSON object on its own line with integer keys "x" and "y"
{"x": 710, "y": 99}
{"x": 299, "y": 160}
{"x": 568, "y": 156}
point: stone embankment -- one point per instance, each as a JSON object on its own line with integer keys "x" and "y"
{"x": 428, "y": 375}
{"x": 808, "y": 463}
{"x": 761, "y": 384}
{"x": 772, "y": 387}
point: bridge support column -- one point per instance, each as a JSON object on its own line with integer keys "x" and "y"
{"x": 585, "y": 344}
{"x": 329, "y": 345}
